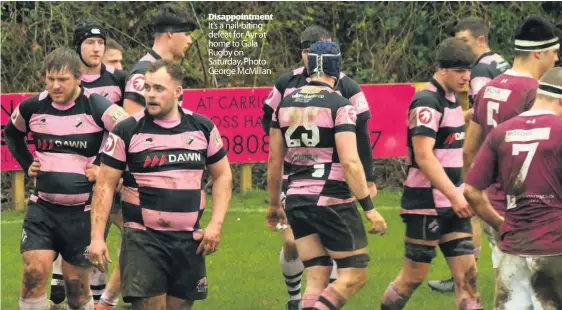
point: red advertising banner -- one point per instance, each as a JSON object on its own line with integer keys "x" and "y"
{"x": 237, "y": 113}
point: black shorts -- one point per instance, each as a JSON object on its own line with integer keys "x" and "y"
{"x": 154, "y": 263}
{"x": 432, "y": 227}
{"x": 340, "y": 228}
{"x": 63, "y": 229}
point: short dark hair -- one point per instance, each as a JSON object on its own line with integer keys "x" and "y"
{"x": 173, "y": 69}
{"x": 453, "y": 50}
{"x": 475, "y": 25}
{"x": 63, "y": 58}
{"x": 171, "y": 13}
{"x": 313, "y": 34}
{"x": 111, "y": 44}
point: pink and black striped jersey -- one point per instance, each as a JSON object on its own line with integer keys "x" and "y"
{"x": 503, "y": 98}
{"x": 110, "y": 83}
{"x": 524, "y": 154}
{"x": 309, "y": 119}
{"x": 487, "y": 67}
{"x": 433, "y": 114}
{"x": 164, "y": 163}
{"x": 67, "y": 138}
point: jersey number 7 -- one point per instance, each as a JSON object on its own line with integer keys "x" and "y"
{"x": 531, "y": 149}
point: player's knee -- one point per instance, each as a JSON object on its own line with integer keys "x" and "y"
{"x": 357, "y": 275}
{"x": 77, "y": 292}
{"x": 187, "y": 305}
{"x": 467, "y": 279}
{"x": 457, "y": 247}
{"x": 420, "y": 253}
{"x": 34, "y": 275}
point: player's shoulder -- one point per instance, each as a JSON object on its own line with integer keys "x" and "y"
{"x": 131, "y": 124}
{"x": 200, "y": 120}
{"x": 34, "y": 100}
{"x": 286, "y": 78}
{"x": 120, "y": 74}
{"x": 348, "y": 86}
{"x": 426, "y": 96}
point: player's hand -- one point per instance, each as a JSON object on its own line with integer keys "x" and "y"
{"x": 98, "y": 255}
{"x": 461, "y": 206}
{"x": 372, "y": 189}
{"x": 377, "y": 221}
{"x": 34, "y": 168}
{"x": 92, "y": 172}
{"x": 210, "y": 238}
{"x": 275, "y": 218}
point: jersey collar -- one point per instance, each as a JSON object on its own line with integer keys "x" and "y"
{"x": 154, "y": 54}
{"x": 440, "y": 89}
{"x": 490, "y": 53}
{"x": 537, "y": 113}
{"x": 318, "y": 83}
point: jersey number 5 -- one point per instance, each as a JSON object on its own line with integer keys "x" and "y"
{"x": 306, "y": 118}
{"x": 492, "y": 108}
{"x": 531, "y": 149}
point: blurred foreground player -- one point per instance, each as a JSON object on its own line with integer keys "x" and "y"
{"x": 313, "y": 130}
{"x": 524, "y": 154}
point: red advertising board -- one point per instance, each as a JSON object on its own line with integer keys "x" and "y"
{"x": 237, "y": 114}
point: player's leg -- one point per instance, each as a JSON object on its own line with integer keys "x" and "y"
{"x": 57, "y": 283}
{"x": 546, "y": 282}
{"x": 291, "y": 268}
{"x": 77, "y": 284}
{"x": 457, "y": 247}
{"x": 343, "y": 234}
{"x": 493, "y": 240}
{"x": 38, "y": 253}
{"x": 422, "y": 235}
{"x": 149, "y": 303}
{"x": 514, "y": 287}
{"x": 173, "y": 303}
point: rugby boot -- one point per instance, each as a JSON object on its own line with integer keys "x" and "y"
{"x": 99, "y": 306}
{"x": 442, "y": 286}
{"x": 53, "y": 306}
{"x": 294, "y": 305}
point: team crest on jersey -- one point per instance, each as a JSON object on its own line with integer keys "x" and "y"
{"x": 78, "y": 122}
{"x": 361, "y": 102}
{"x": 425, "y": 116}
{"x": 310, "y": 90}
{"x": 202, "y": 285}
{"x": 217, "y": 137}
{"x": 138, "y": 83}
{"x": 15, "y": 114}
{"x": 189, "y": 140}
{"x": 23, "y": 236}
{"x": 110, "y": 144}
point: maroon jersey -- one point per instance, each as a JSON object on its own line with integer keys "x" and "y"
{"x": 506, "y": 96}
{"x": 525, "y": 155}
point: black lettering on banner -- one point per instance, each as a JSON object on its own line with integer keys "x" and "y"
{"x": 265, "y": 143}
{"x": 250, "y": 144}
{"x": 252, "y": 150}
{"x": 378, "y": 134}
{"x": 238, "y": 147}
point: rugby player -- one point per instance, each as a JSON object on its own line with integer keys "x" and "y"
{"x": 89, "y": 43}
{"x": 164, "y": 151}
{"x": 313, "y": 132}
{"x": 113, "y": 54}
{"x": 68, "y": 124}
{"x": 524, "y": 154}
{"x": 172, "y": 39}
{"x": 433, "y": 206}
{"x": 291, "y": 266}
{"x": 509, "y": 94}
{"x": 488, "y": 65}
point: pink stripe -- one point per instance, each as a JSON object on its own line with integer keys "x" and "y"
{"x": 115, "y": 147}
{"x": 193, "y": 140}
{"x": 322, "y": 117}
{"x": 449, "y": 158}
{"x": 320, "y": 306}
{"x": 175, "y": 179}
{"x": 330, "y": 201}
{"x": 215, "y": 142}
{"x": 43, "y": 95}
{"x": 131, "y": 195}
{"x": 187, "y": 111}
{"x": 139, "y": 115}
{"x": 298, "y": 71}
{"x": 477, "y": 83}
{"x": 110, "y": 69}
{"x": 63, "y": 125}
{"x": 428, "y": 86}
{"x": 416, "y": 178}
{"x": 273, "y": 99}
{"x": 167, "y": 123}
{"x": 134, "y": 225}
{"x": 289, "y": 91}
{"x": 148, "y": 57}
{"x": 346, "y": 115}
{"x": 65, "y": 199}
{"x": 306, "y": 187}
{"x": 441, "y": 201}
{"x": 309, "y": 300}
{"x": 71, "y": 163}
{"x": 17, "y": 120}
{"x": 169, "y": 221}
{"x": 64, "y": 106}
{"x": 135, "y": 84}
{"x": 419, "y": 211}
{"x": 336, "y": 173}
{"x": 89, "y": 78}
{"x": 309, "y": 156}
{"x": 87, "y": 93}
{"x": 111, "y": 93}
{"x": 113, "y": 115}
{"x": 453, "y": 117}
{"x": 33, "y": 198}
{"x": 424, "y": 116}
{"x": 451, "y": 97}
{"x": 360, "y": 103}
{"x": 489, "y": 59}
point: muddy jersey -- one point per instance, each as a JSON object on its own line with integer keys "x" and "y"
{"x": 487, "y": 67}
{"x": 348, "y": 88}
{"x": 524, "y": 154}
{"x": 309, "y": 120}
{"x": 67, "y": 138}
{"x": 164, "y": 163}
{"x": 505, "y": 97}
{"x": 433, "y": 114}
{"x": 110, "y": 83}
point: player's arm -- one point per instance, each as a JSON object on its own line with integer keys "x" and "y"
{"x": 15, "y": 134}
{"x": 134, "y": 101}
{"x": 272, "y": 102}
{"x": 479, "y": 179}
{"x": 277, "y": 151}
{"x": 221, "y": 174}
{"x": 473, "y": 141}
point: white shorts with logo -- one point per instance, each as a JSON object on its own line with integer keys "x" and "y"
{"x": 529, "y": 282}
{"x": 493, "y": 236}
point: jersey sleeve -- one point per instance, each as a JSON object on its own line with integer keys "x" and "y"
{"x": 134, "y": 88}
{"x": 122, "y": 82}
{"x": 424, "y": 115}
{"x": 105, "y": 112}
{"x": 352, "y": 91}
{"x": 485, "y": 167}
{"x": 479, "y": 76}
{"x": 117, "y": 143}
{"x": 364, "y": 148}
{"x": 345, "y": 118}
{"x": 215, "y": 147}
{"x": 15, "y": 132}
{"x": 273, "y": 100}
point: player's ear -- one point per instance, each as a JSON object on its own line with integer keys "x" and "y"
{"x": 179, "y": 91}
{"x": 481, "y": 40}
